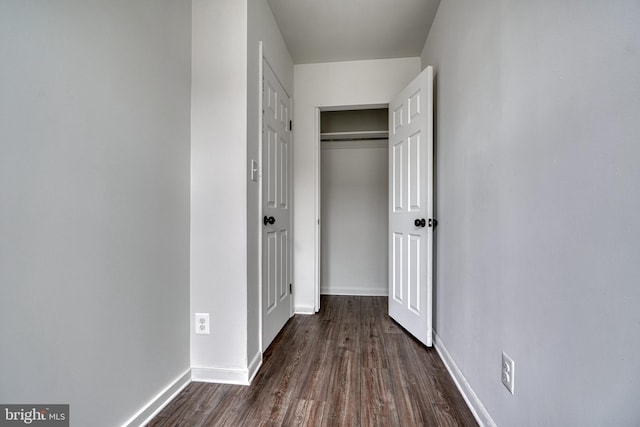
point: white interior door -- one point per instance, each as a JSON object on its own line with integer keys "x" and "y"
{"x": 411, "y": 220}
{"x": 276, "y": 206}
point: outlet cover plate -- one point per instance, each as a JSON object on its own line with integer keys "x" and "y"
{"x": 202, "y": 324}
{"x": 508, "y": 372}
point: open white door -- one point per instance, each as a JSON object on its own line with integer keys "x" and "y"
{"x": 276, "y": 206}
{"x": 411, "y": 220}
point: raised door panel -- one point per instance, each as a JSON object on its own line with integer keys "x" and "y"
{"x": 271, "y": 266}
{"x": 270, "y": 178}
{"x": 283, "y": 250}
{"x": 397, "y": 176}
{"x": 397, "y": 267}
{"x": 414, "y": 176}
{"x": 283, "y": 171}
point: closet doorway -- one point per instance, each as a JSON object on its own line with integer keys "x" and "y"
{"x": 354, "y": 191}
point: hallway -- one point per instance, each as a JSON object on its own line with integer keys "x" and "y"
{"x": 348, "y": 365}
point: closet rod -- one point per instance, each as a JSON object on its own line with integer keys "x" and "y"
{"x": 353, "y": 139}
{"x": 354, "y": 136}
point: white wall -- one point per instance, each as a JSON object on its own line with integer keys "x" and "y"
{"x": 225, "y": 222}
{"x": 94, "y": 203}
{"x": 324, "y": 85}
{"x": 262, "y": 27}
{"x": 218, "y": 188}
{"x": 538, "y": 199}
{"x": 354, "y": 218}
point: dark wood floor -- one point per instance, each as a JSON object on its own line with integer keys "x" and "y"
{"x": 349, "y": 365}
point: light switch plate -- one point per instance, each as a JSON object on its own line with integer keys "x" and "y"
{"x": 254, "y": 171}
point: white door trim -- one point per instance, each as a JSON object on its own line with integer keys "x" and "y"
{"x": 259, "y": 216}
{"x": 318, "y": 234}
{"x": 318, "y": 198}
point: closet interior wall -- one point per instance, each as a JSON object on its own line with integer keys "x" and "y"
{"x": 354, "y": 207}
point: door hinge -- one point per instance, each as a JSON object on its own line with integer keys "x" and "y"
{"x": 290, "y": 125}
{"x": 290, "y": 288}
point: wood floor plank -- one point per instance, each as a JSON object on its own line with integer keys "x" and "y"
{"x": 447, "y": 416}
{"x": 233, "y": 410}
{"x": 331, "y": 307}
{"x": 348, "y": 365}
{"x": 413, "y": 408}
{"x": 378, "y": 407}
{"x": 192, "y": 406}
{"x": 314, "y": 384}
{"x": 371, "y": 336}
{"x": 342, "y": 406}
{"x": 304, "y": 413}
{"x": 284, "y": 378}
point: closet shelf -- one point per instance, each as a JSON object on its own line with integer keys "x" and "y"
{"x": 354, "y": 136}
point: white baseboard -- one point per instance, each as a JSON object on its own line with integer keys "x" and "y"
{"x": 220, "y": 375}
{"x": 155, "y": 405}
{"x": 207, "y": 374}
{"x": 255, "y": 365}
{"x": 365, "y": 292}
{"x": 304, "y": 309}
{"x": 478, "y": 410}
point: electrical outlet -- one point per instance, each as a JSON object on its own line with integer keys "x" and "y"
{"x": 508, "y": 372}
{"x": 202, "y": 323}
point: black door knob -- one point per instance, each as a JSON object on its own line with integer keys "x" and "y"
{"x": 269, "y": 220}
{"x": 420, "y": 222}
{"x": 433, "y": 222}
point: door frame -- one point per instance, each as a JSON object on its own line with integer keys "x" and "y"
{"x": 318, "y": 181}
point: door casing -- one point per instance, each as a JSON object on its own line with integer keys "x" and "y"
{"x": 318, "y": 180}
